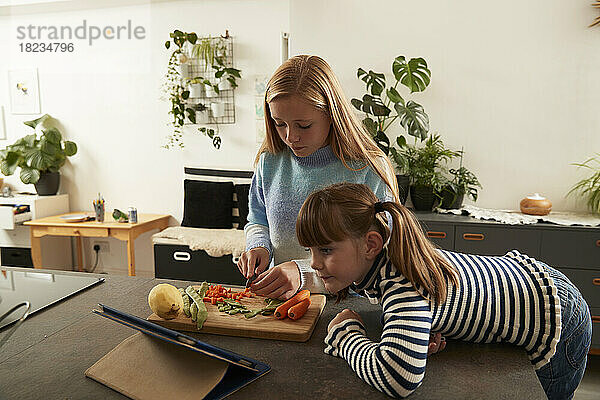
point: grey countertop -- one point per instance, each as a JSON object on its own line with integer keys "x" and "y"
{"x": 47, "y": 356}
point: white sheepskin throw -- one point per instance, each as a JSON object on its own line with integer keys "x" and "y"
{"x": 216, "y": 242}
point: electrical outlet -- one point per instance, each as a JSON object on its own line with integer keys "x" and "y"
{"x": 104, "y": 246}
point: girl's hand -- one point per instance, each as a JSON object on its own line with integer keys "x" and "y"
{"x": 342, "y": 316}
{"x": 253, "y": 261}
{"x": 436, "y": 343}
{"x": 279, "y": 282}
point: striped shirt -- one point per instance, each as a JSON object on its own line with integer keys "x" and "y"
{"x": 499, "y": 299}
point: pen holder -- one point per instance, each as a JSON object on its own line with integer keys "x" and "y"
{"x": 99, "y": 209}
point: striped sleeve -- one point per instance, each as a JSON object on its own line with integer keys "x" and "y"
{"x": 395, "y": 365}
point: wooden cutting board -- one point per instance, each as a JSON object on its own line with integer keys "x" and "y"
{"x": 261, "y": 326}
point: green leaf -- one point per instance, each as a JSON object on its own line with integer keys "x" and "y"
{"x": 394, "y": 96}
{"x": 219, "y": 74}
{"x": 401, "y": 141}
{"x": 374, "y": 105}
{"x": 370, "y": 125}
{"x": 10, "y": 163}
{"x": 357, "y": 104}
{"x": 360, "y": 73}
{"x": 70, "y": 148}
{"x": 185, "y": 94}
{"x": 35, "y": 122}
{"x": 414, "y": 119}
{"x": 52, "y": 135}
{"x": 382, "y": 142}
{"x": 168, "y": 44}
{"x": 29, "y": 175}
{"x": 192, "y": 38}
{"x": 414, "y": 75}
{"x": 37, "y": 159}
{"x": 48, "y": 147}
{"x": 191, "y": 115}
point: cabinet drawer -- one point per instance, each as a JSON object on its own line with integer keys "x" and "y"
{"x": 571, "y": 248}
{"x": 8, "y": 219}
{"x": 492, "y": 240}
{"x": 440, "y": 234}
{"x": 15, "y": 257}
{"x": 75, "y": 231}
{"x": 588, "y": 283}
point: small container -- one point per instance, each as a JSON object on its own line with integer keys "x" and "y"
{"x": 535, "y": 205}
{"x": 133, "y": 216}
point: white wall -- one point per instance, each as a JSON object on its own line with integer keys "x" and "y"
{"x": 107, "y": 99}
{"x": 516, "y": 83}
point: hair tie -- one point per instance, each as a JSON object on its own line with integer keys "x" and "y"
{"x": 378, "y": 207}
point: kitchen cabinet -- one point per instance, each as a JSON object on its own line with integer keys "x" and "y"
{"x": 573, "y": 250}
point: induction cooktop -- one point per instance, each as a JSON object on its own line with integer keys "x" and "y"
{"x": 41, "y": 289}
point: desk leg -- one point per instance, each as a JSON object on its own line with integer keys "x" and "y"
{"x": 36, "y": 249}
{"x": 131, "y": 254}
{"x": 79, "y": 254}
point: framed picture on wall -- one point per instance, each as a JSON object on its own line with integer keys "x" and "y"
{"x": 2, "y": 124}
{"x": 24, "y": 91}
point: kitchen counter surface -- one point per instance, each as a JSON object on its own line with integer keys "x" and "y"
{"x": 48, "y": 354}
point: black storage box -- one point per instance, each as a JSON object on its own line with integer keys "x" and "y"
{"x": 16, "y": 257}
{"x": 174, "y": 261}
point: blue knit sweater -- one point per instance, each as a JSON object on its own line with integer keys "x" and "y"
{"x": 281, "y": 183}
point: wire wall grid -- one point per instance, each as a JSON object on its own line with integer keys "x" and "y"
{"x": 201, "y": 94}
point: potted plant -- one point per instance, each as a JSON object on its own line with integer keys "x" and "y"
{"x": 384, "y": 105}
{"x": 463, "y": 182}
{"x": 195, "y": 87}
{"x": 589, "y": 188}
{"x": 202, "y": 116}
{"x": 209, "y": 50}
{"x": 39, "y": 158}
{"x": 425, "y": 166}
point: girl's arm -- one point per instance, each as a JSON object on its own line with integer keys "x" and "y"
{"x": 395, "y": 365}
{"x": 257, "y": 228}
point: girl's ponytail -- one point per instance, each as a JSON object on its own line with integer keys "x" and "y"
{"x": 415, "y": 256}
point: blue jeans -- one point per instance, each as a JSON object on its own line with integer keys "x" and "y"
{"x": 561, "y": 376}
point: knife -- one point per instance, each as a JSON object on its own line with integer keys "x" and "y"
{"x": 253, "y": 277}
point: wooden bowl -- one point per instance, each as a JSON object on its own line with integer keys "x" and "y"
{"x": 536, "y": 205}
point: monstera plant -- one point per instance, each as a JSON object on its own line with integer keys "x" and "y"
{"x": 39, "y": 155}
{"x": 383, "y": 105}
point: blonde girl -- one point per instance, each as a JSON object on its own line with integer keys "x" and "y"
{"x": 511, "y": 298}
{"x": 313, "y": 139}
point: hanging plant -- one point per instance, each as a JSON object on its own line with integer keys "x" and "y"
{"x": 173, "y": 86}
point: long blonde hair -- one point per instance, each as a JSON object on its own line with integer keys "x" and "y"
{"x": 347, "y": 211}
{"x": 313, "y": 80}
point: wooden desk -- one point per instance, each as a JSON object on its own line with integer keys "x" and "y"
{"x": 56, "y": 226}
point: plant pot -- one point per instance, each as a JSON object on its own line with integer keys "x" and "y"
{"x": 48, "y": 183}
{"x": 210, "y": 92}
{"x": 423, "y": 197}
{"x": 224, "y": 84}
{"x": 450, "y": 199}
{"x": 196, "y": 90}
{"x": 218, "y": 109}
{"x": 202, "y": 117}
{"x": 403, "y": 186}
{"x": 183, "y": 70}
